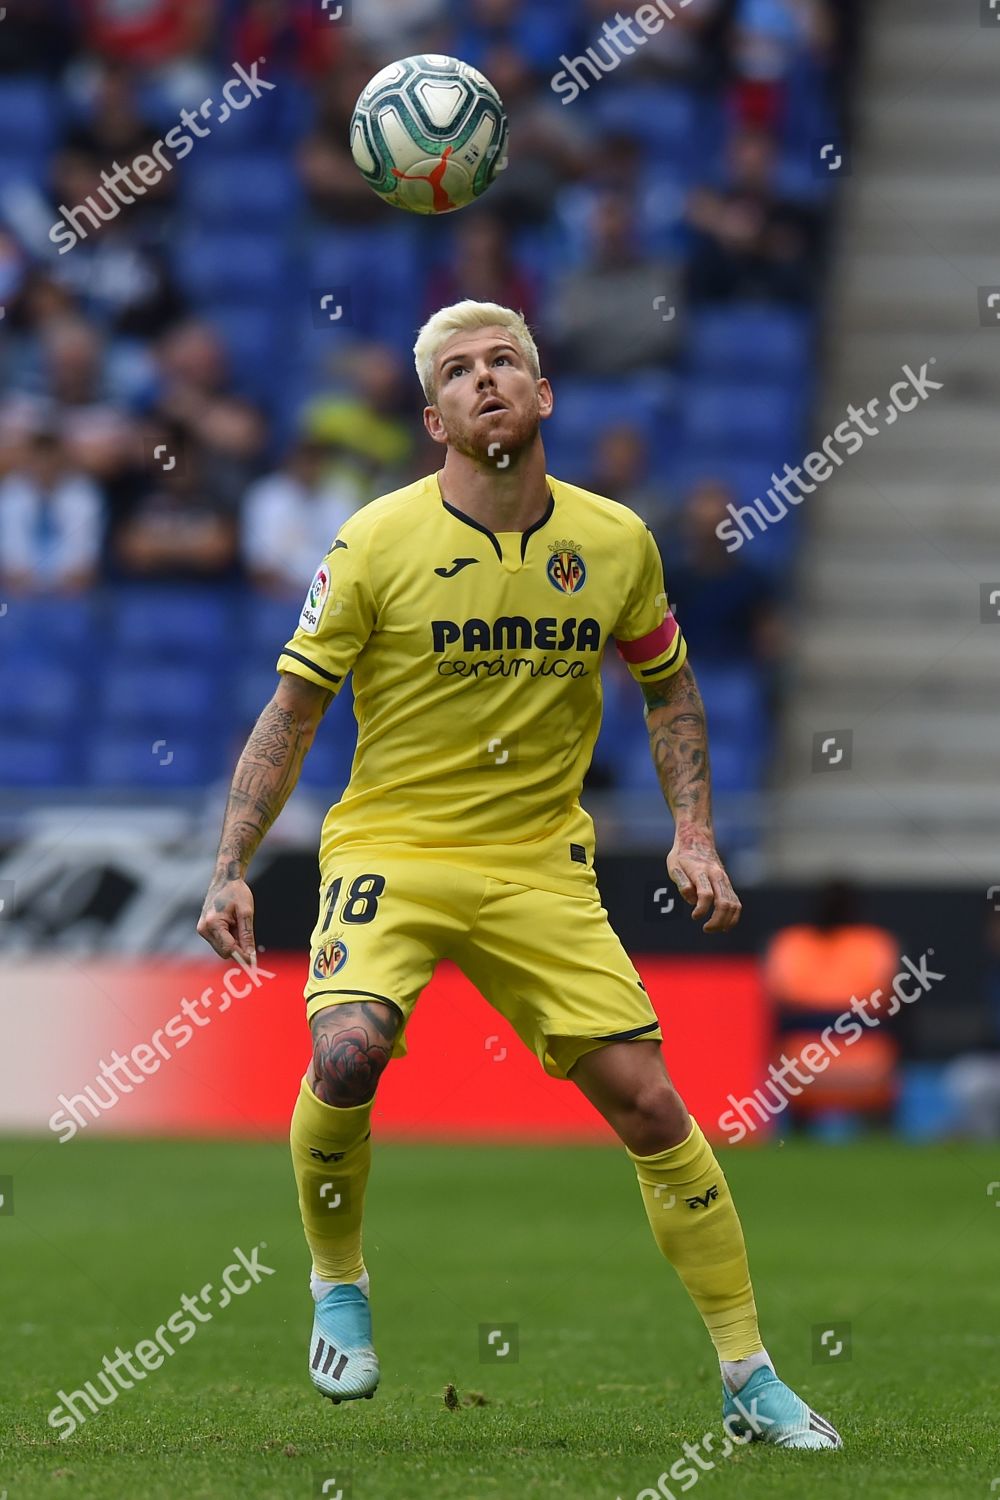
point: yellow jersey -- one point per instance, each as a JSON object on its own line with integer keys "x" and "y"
{"x": 477, "y": 690}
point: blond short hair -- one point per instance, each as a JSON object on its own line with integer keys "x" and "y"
{"x": 466, "y": 317}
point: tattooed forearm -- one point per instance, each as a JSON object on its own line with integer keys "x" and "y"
{"x": 675, "y": 718}
{"x": 262, "y": 783}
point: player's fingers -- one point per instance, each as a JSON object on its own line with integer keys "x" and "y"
{"x": 706, "y": 895}
{"x": 682, "y": 880}
{"x": 727, "y": 904}
{"x": 244, "y": 930}
{"x": 215, "y": 928}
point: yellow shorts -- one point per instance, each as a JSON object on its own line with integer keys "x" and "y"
{"x": 549, "y": 963}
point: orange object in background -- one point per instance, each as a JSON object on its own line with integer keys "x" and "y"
{"x": 811, "y": 973}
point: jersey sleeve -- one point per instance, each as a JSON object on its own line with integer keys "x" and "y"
{"x": 337, "y": 617}
{"x": 648, "y": 637}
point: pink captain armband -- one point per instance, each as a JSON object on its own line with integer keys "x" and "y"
{"x": 652, "y": 645}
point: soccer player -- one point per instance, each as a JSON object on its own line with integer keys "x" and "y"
{"x": 473, "y": 608}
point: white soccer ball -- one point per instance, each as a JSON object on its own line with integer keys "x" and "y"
{"x": 429, "y": 134}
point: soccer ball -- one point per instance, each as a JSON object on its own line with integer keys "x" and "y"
{"x": 429, "y": 134}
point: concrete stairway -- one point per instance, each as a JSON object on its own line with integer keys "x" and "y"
{"x": 896, "y": 639}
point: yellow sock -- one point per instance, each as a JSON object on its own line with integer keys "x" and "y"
{"x": 691, "y": 1213}
{"x": 331, "y": 1154}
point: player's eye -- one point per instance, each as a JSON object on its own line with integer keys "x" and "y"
{"x": 455, "y": 370}
{"x": 502, "y": 358}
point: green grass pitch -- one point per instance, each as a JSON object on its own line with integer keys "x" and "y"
{"x": 613, "y": 1372}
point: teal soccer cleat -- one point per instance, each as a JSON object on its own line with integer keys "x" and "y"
{"x": 767, "y": 1410}
{"x": 342, "y": 1363}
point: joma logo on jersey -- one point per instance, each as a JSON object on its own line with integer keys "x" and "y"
{"x": 697, "y": 1202}
{"x": 518, "y": 633}
{"x": 566, "y": 569}
{"x": 329, "y": 959}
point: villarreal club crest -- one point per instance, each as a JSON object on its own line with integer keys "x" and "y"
{"x": 330, "y": 959}
{"x": 566, "y": 569}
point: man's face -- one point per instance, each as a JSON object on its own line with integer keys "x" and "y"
{"x": 486, "y": 396}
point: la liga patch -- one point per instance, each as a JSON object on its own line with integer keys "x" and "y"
{"x": 319, "y": 592}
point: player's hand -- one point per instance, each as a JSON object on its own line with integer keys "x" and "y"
{"x": 698, "y": 873}
{"x": 226, "y": 921}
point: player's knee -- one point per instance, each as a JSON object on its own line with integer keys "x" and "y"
{"x": 656, "y": 1119}
{"x": 352, "y": 1044}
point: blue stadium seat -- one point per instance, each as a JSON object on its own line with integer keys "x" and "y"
{"x": 49, "y": 630}
{"x": 754, "y": 339}
{"x": 743, "y": 418}
{"x": 39, "y": 694}
{"x": 256, "y": 340}
{"x": 267, "y": 623}
{"x": 30, "y": 116}
{"x": 227, "y": 265}
{"x": 662, "y": 116}
{"x": 149, "y": 620}
{"x": 163, "y": 698}
{"x": 243, "y": 189}
{"x": 126, "y": 760}
{"x": 253, "y": 688}
{"x": 38, "y": 760}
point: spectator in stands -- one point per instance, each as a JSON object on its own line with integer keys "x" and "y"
{"x": 386, "y": 25}
{"x": 178, "y": 529}
{"x": 811, "y": 972}
{"x": 38, "y": 37}
{"x": 65, "y": 387}
{"x": 768, "y": 38}
{"x": 482, "y": 265}
{"x": 195, "y": 396}
{"x": 335, "y": 187}
{"x": 115, "y": 129}
{"x": 167, "y": 39}
{"x": 286, "y": 33}
{"x": 538, "y": 33}
{"x": 687, "y": 49}
{"x": 604, "y": 316}
{"x": 747, "y": 243}
{"x": 372, "y": 421}
{"x": 290, "y": 518}
{"x": 51, "y": 521}
{"x": 727, "y": 608}
{"x": 549, "y": 144}
{"x": 621, "y": 471}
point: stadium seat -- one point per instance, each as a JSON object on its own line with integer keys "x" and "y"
{"x": 267, "y": 623}
{"x": 769, "y": 343}
{"x": 225, "y": 265}
{"x": 43, "y": 694}
{"x": 662, "y": 116}
{"x": 40, "y": 628}
{"x": 744, "y": 418}
{"x": 147, "y": 620}
{"x": 38, "y": 760}
{"x": 241, "y": 190}
{"x": 256, "y": 340}
{"x": 132, "y": 760}
{"x": 30, "y": 116}
{"x": 160, "y": 697}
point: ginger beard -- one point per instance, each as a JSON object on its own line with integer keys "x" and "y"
{"x": 510, "y": 432}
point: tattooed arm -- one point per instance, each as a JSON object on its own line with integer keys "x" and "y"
{"x": 262, "y": 783}
{"x": 675, "y": 718}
